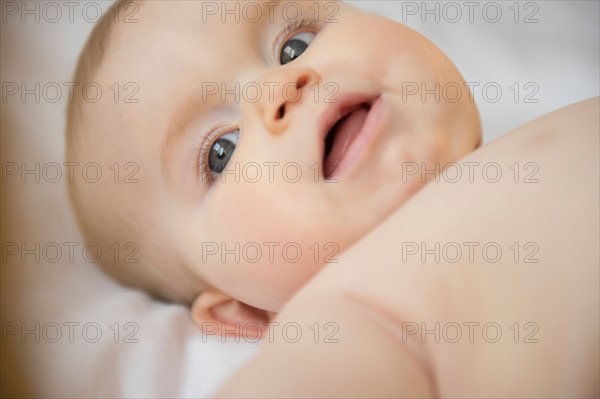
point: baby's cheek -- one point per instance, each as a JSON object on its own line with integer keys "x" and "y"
{"x": 256, "y": 245}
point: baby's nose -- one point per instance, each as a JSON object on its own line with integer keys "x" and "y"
{"x": 287, "y": 89}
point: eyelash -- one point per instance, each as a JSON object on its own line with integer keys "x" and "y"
{"x": 205, "y": 147}
{"x": 289, "y": 28}
{"x": 202, "y": 159}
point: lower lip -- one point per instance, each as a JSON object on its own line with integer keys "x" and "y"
{"x": 362, "y": 140}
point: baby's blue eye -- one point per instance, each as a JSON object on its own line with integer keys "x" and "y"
{"x": 221, "y": 151}
{"x": 295, "y": 46}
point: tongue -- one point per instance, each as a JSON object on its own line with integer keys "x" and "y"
{"x": 345, "y": 133}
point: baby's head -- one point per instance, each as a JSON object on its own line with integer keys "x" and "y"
{"x": 239, "y": 153}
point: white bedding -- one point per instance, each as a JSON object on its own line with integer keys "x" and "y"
{"x": 559, "y": 54}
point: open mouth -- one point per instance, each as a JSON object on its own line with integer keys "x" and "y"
{"x": 341, "y": 135}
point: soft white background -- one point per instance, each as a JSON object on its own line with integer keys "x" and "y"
{"x": 559, "y": 54}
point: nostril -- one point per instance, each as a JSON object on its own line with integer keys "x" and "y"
{"x": 280, "y": 112}
{"x": 302, "y": 81}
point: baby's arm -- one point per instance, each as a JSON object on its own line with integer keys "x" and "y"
{"x": 373, "y": 294}
{"x": 342, "y": 352}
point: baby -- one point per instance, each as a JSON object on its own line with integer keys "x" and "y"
{"x": 261, "y": 140}
{"x": 251, "y": 144}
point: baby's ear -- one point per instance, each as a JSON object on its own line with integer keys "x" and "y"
{"x": 215, "y": 313}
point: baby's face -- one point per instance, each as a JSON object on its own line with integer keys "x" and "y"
{"x": 259, "y": 139}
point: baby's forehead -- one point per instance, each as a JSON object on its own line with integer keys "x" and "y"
{"x": 219, "y": 30}
{"x": 164, "y": 37}
{"x": 168, "y": 25}
{"x": 180, "y": 15}
{"x": 167, "y": 50}
{"x": 176, "y": 13}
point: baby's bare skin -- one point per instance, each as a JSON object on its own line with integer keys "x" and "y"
{"x": 375, "y": 298}
{"x": 184, "y": 205}
{"x": 172, "y": 133}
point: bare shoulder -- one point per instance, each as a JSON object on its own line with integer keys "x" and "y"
{"x": 508, "y": 236}
{"x": 533, "y": 193}
{"x": 584, "y": 111}
{"x": 543, "y": 172}
{"x": 575, "y": 122}
{"x": 481, "y": 285}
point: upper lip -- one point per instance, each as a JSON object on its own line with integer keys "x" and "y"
{"x": 339, "y": 107}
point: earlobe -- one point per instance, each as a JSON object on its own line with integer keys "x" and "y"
{"x": 215, "y": 313}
